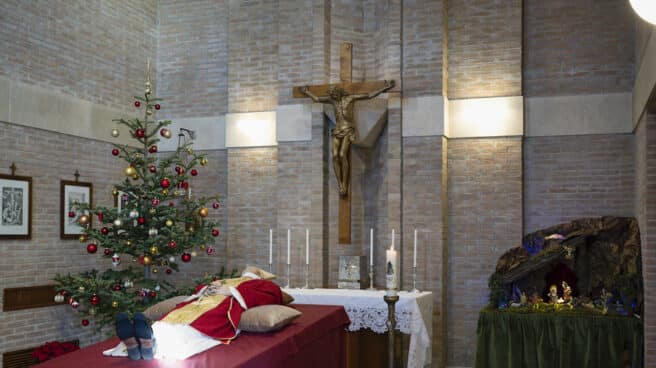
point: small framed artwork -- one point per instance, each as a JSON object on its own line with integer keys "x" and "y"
{"x": 73, "y": 192}
{"x": 16, "y": 206}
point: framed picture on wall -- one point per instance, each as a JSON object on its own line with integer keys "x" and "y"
{"x": 16, "y": 206}
{"x": 73, "y": 192}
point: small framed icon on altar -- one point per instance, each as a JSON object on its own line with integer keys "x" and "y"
{"x": 16, "y": 207}
{"x": 350, "y": 272}
{"x": 72, "y": 193}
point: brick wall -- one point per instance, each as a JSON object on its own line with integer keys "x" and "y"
{"x": 422, "y": 48}
{"x": 252, "y": 206}
{"x": 484, "y": 220}
{"x": 569, "y": 177}
{"x": 49, "y": 158}
{"x": 588, "y": 51}
{"x": 192, "y": 57}
{"x": 252, "y": 56}
{"x": 422, "y": 210}
{"x": 95, "y": 50}
{"x": 646, "y": 210}
{"x": 484, "y": 48}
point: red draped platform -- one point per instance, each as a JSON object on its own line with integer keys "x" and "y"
{"x": 316, "y": 339}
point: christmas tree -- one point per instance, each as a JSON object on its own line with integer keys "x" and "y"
{"x": 158, "y": 223}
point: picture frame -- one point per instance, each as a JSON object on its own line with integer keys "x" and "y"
{"x": 15, "y": 207}
{"x": 71, "y": 192}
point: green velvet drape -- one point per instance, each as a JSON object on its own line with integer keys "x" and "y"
{"x": 509, "y": 339}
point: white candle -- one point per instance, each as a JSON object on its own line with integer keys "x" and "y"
{"x": 289, "y": 247}
{"x": 392, "y": 269}
{"x": 414, "y": 263}
{"x": 270, "y": 246}
{"x": 307, "y": 246}
{"x": 371, "y": 247}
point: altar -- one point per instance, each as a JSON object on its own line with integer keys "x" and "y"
{"x": 368, "y": 311}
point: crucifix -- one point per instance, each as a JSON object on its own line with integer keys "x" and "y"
{"x": 342, "y": 96}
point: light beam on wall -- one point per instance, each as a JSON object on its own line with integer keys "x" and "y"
{"x": 646, "y": 9}
{"x": 253, "y": 129}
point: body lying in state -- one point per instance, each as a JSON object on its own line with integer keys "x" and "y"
{"x": 189, "y": 325}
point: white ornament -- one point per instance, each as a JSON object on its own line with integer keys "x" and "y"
{"x": 128, "y": 284}
{"x": 152, "y": 232}
{"x": 193, "y": 254}
{"x": 59, "y": 298}
{"x": 134, "y": 214}
{"x": 157, "y": 287}
{"x": 171, "y": 259}
{"x": 116, "y": 260}
{"x": 115, "y": 133}
{"x": 118, "y": 222}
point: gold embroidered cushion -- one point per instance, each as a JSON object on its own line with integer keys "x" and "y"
{"x": 267, "y": 318}
{"x": 156, "y": 311}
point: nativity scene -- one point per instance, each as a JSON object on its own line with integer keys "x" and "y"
{"x": 351, "y": 183}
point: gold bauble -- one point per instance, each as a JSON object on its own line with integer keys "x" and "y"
{"x": 115, "y": 133}
{"x": 166, "y": 133}
{"x": 83, "y": 220}
{"x": 203, "y": 161}
{"x": 191, "y": 229}
{"x": 154, "y": 250}
{"x": 193, "y": 254}
{"x": 83, "y": 238}
{"x": 202, "y": 247}
{"x": 149, "y": 112}
{"x": 114, "y": 304}
{"x": 203, "y": 212}
{"x": 165, "y": 191}
{"x": 128, "y": 243}
{"x": 114, "y": 192}
{"x": 152, "y": 211}
{"x": 81, "y": 289}
{"x": 169, "y": 223}
{"x": 155, "y": 270}
{"x": 135, "y": 177}
{"x": 190, "y": 151}
{"x": 147, "y": 260}
{"x": 176, "y": 193}
{"x": 130, "y": 171}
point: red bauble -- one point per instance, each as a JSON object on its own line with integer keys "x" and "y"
{"x": 152, "y": 294}
{"x": 107, "y": 252}
{"x": 157, "y": 107}
{"x": 186, "y": 257}
{"x": 85, "y": 322}
{"x": 194, "y": 172}
{"x": 152, "y": 168}
{"x": 169, "y": 271}
{"x": 94, "y": 299}
{"x": 165, "y": 183}
{"x": 171, "y": 204}
{"x": 104, "y": 231}
{"x": 139, "y": 133}
{"x": 115, "y": 152}
{"x": 141, "y": 259}
{"x": 117, "y": 287}
{"x": 71, "y": 214}
{"x": 155, "y": 202}
{"x": 215, "y": 232}
{"x": 165, "y": 133}
{"x": 137, "y": 103}
{"x": 184, "y": 185}
{"x": 100, "y": 216}
{"x": 216, "y": 205}
{"x": 152, "y": 149}
{"x": 92, "y": 248}
{"x": 141, "y": 220}
{"x": 172, "y": 244}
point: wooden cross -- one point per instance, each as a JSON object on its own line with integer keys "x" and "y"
{"x": 77, "y": 176}
{"x": 345, "y": 77}
{"x": 13, "y": 169}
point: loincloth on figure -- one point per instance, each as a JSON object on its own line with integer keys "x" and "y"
{"x": 346, "y": 132}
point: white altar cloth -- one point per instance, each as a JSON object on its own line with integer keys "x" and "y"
{"x": 367, "y": 309}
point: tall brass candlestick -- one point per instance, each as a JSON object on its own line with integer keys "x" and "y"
{"x": 391, "y": 325}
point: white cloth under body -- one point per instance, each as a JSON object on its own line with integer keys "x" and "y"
{"x": 367, "y": 309}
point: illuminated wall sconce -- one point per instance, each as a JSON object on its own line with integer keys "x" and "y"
{"x": 251, "y": 129}
{"x": 486, "y": 117}
{"x": 646, "y": 9}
